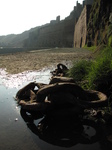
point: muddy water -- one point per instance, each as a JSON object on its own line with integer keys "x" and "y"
{"x": 17, "y": 134}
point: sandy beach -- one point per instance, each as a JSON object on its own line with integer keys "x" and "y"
{"x": 38, "y": 59}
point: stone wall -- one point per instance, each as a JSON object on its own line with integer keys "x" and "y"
{"x": 80, "y": 32}
{"x": 60, "y": 33}
{"x": 57, "y": 33}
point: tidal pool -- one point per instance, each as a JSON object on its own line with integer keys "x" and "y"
{"x": 16, "y": 133}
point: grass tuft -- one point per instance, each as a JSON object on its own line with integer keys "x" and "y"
{"x": 79, "y": 70}
{"x": 97, "y": 73}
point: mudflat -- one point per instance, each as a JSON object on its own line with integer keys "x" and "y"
{"x": 38, "y": 59}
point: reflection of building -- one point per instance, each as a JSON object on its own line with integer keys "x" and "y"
{"x": 56, "y": 33}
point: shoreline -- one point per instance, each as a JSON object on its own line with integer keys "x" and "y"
{"x": 36, "y": 60}
{"x": 20, "y": 79}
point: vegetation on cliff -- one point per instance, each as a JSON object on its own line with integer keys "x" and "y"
{"x": 100, "y": 22}
{"x": 97, "y": 73}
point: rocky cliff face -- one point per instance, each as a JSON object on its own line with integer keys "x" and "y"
{"x": 80, "y": 32}
{"x": 99, "y": 28}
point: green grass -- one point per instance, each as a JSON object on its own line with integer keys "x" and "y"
{"x": 92, "y": 48}
{"x": 110, "y": 41}
{"x": 100, "y": 71}
{"x": 80, "y": 70}
{"x": 97, "y": 73}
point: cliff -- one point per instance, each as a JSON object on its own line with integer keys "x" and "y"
{"x": 80, "y": 33}
{"x": 99, "y": 30}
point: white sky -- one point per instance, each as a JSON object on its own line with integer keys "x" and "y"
{"x": 17, "y": 16}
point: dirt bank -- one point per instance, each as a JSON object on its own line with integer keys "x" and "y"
{"x": 38, "y": 59}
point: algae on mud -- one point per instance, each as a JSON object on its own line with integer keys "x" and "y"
{"x": 38, "y": 59}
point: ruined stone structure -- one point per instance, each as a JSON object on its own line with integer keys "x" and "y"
{"x": 60, "y": 33}
{"x": 80, "y": 32}
{"x": 56, "y": 33}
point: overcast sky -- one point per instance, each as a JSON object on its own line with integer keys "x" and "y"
{"x": 17, "y": 16}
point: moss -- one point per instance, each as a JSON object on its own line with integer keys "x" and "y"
{"x": 99, "y": 22}
{"x": 79, "y": 70}
{"x": 97, "y": 73}
{"x": 92, "y": 48}
{"x": 110, "y": 41}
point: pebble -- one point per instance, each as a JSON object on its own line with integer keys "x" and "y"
{"x": 16, "y": 119}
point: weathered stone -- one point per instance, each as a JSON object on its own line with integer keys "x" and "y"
{"x": 99, "y": 21}
{"x": 81, "y": 28}
{"x": 57, "y": 33}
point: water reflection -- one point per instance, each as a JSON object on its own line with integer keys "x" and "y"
{"x": 18, "y": 80}
{"x": 45, "y": 133}
{"x": 63, "y": 133}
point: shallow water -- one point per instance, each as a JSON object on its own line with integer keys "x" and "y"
{"x": 17, "y": 133}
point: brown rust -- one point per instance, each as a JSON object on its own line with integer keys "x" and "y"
{"x": 59, "y": 95}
